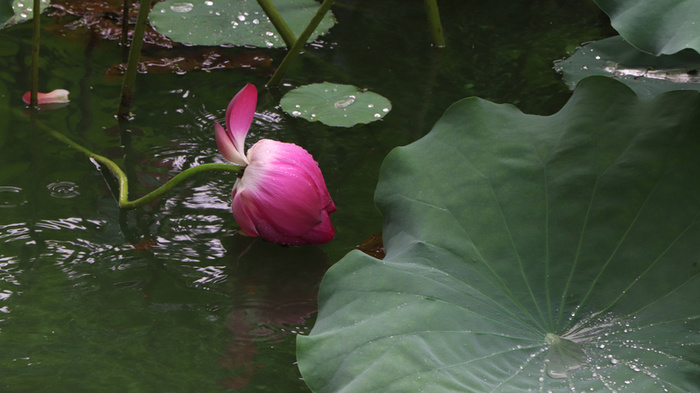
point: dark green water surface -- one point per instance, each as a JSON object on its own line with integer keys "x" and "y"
{"x": 169, "y": 297}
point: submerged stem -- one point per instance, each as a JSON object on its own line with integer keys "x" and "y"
{"x": 134, "y": 54}
{"x": 123, "y": 198}
{"x": 300, "y": 42}
{"x": 36, "y": 39}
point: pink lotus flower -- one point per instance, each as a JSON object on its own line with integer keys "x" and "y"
{"x": 58, "y": 96}
{"x": 281, "y": 196}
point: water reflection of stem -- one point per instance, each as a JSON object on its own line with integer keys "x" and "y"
{"x": 277, "y": 21}
{"x": 300, "y": 42}
{"x": 134, "y": 54}
{"x": 431, "y": 8}
{"x": 36, "y": 38}
{"x": 124, "y": 201}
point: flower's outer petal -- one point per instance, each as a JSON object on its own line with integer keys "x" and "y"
{"x": 240, "y": 212}
{"x": 239, "y": 115}
{"x": 227, "y": 147}
{"x": 285, "y": 196}
{"x": 58, "y": 96}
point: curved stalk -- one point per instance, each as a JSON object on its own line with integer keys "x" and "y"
{"x": 123, "y": 198}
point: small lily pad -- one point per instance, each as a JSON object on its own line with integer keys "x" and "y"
{"x": 646, "y": 74}
{"x": 335, "y": 105}
{"x": 241, "y": 23}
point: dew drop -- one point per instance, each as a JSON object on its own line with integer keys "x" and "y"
{"x": 377, "y": 115}
{"x": 296, "y": 113}
{"x": 181, "y": 7}
{"x": 209, "y": 3}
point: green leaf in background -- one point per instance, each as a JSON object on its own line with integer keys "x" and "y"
{"x": 656, "y": 26}
{"x": 527, "y": 254}
{"x": 335, "y": 105}
{"x": 241, "y": 22}
{"x": 6, "y": 12}
{"x": 18, "y": 11}
{"x": 647, "y": 75}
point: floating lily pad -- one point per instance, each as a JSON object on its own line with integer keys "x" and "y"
{"x": 549, "y": 254}
{"x": 18, "y": 11}
{"x": 241, "y": 22}
{"x": 647, "y": 75}
{"x": 335, "y": 105}
{"x": 656, "y": 26}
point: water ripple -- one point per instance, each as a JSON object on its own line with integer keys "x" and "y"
{"x": 11, "y": 197}
{"x": 63, "y": 189}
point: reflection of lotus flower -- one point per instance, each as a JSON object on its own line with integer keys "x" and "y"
{"x": 58, "y": 96}
{"x": 281, "y": 196}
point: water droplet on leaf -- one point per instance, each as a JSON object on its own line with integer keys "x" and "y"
{"x": 181, "y": 7}
{"x": 344, "y": 102}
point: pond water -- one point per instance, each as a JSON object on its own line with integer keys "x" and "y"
{"x": 169, "y": 297}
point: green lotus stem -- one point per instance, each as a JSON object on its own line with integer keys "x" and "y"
{"x": 277, "y": 21}
{"x": 134, "y": 54}
{"x": 300, "y": 42}
{"x": 125, "y": 30}
{"x": 431, "y": 8}
{"x": 123, "y": 198}
{"x": 36, "y": 38}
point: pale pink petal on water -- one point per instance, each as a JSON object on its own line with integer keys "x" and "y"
{"x": 58, "y": 96}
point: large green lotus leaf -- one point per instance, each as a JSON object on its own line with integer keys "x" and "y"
{"x": 17, "y": 11}
{"x": 240, "y": 22}
{"x": 647, "y": 75}
{"x": 656, "y": 26}
{"x": 335, "y": 105}
{"x": 527, "y": 254}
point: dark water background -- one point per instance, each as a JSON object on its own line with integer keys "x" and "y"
{"x": 169, "y": 298}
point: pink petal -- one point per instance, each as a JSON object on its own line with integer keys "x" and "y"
{"x": 58, "y": 96}
{"x": 227, "y": 147}
{"x": 239, "y": 116}
{"x": 283, "y": 196}
{"x": 241, "y": 214}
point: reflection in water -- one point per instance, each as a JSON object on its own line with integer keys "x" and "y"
{"x": 275, "y": 293}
